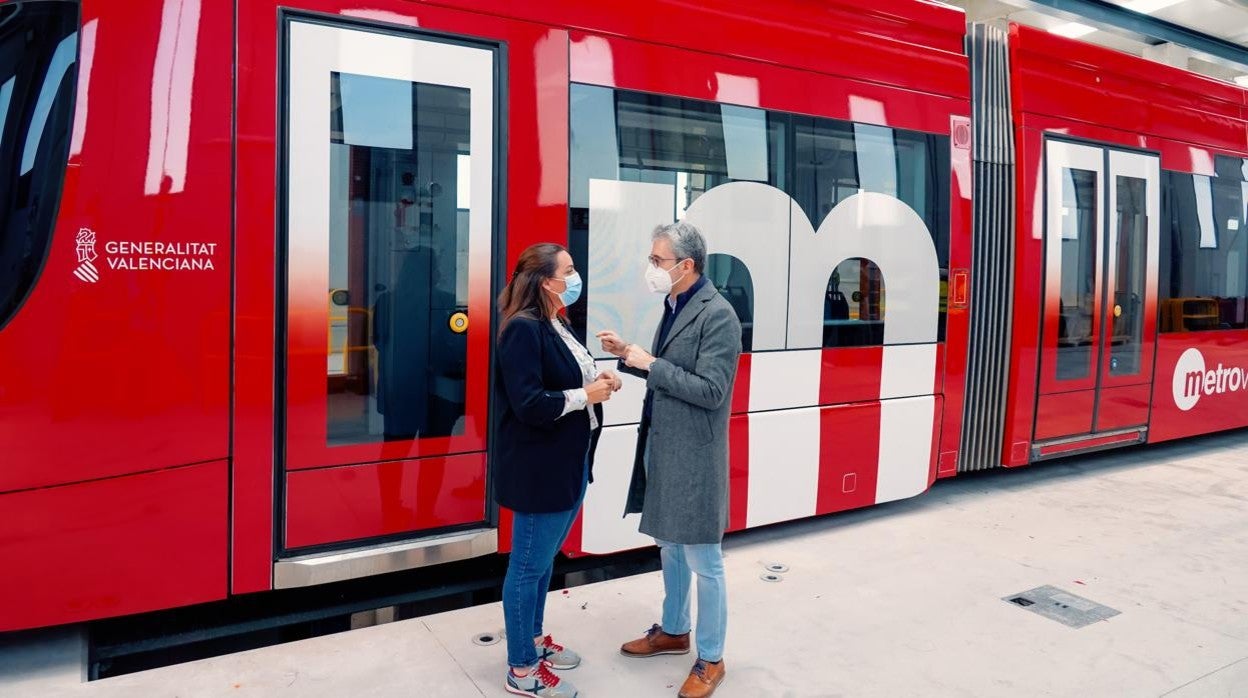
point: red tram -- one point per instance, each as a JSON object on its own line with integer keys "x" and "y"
{"x": 248, "y": 252}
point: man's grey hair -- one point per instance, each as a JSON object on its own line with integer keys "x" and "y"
{"x": 687, "y": 242}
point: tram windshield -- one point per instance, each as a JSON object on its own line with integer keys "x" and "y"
{"x": 38, "y": 71}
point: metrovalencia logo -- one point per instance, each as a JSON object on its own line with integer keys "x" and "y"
{"x": 1192, "y": 379}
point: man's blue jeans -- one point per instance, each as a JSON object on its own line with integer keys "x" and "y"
{"x": 535, "y": 540}
{"x": 707, "y": 562}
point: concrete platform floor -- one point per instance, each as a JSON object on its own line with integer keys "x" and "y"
{"x": 899, "y": 600}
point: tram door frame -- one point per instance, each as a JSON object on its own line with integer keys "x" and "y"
{"x": 1102, "y": 207}
{"x": 412, "y": 484}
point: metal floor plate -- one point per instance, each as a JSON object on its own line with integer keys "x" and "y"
{"x": 1061, "y": 606}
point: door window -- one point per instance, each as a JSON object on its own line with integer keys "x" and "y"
{"x": 398, "y": 259}
{"x": 1126, "y": 319}
{"x": 1078, "y": 273}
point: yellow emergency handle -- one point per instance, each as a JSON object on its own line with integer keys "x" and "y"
{"x": 459, "y": 323}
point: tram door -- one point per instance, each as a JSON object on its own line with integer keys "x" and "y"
{"x": 387, "y": 219}
{"x": 1102, "y": 218}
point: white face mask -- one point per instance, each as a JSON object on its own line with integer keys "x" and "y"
{"x": 660, "y": 281}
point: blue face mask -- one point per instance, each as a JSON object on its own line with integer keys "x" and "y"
{"x": 572, "y": 289}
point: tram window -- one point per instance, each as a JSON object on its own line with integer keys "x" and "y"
{"x": 1204, "y": 250}
{"x": 836, "y": 160}
{"x": 38, "y": 70}
{"x": 397, "y": 258}
{"x": 692, "y": 146}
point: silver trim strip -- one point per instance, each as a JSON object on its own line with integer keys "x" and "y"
{"x": 1040, "y": 458}
{"x": 1141, "y": 430}
{"x": 309, "y": 570}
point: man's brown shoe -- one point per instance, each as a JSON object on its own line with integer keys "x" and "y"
{"x": 656, "y": 642}
{"x": 703, "y": 679}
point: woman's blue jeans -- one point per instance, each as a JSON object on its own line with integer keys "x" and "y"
{"x": 535, "y": 540}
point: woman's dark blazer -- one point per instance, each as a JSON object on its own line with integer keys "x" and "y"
{"x": 539, "y": 457}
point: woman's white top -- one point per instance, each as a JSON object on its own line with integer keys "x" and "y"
{"x": 576, "y": 398}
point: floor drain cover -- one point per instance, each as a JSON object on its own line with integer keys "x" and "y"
{"x": 777, "y": 567}
{"x": 485, "y": 639}
{"x": 1061, "y": 606}
{"x": 771, "y": 577}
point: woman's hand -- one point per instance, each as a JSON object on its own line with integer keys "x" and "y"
{"x": 599, "y": 391}
{"x": 616, "y": 383}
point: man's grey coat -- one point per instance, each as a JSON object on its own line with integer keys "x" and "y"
{"x": 683, "y": 498}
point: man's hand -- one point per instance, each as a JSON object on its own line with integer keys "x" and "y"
{"x": 616, "y": 383}
{"x": 636, "y": 357}
{"x": 612, "y": 344}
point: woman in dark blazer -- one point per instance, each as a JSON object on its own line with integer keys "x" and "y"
{"x": 549, "y": 393}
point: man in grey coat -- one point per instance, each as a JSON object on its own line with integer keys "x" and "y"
{"x": 680, "y": 472}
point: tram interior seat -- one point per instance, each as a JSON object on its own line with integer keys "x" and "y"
{"x": 1233, "y": 312}
{"x": 1074, "y": 327}
{"x": 1190, "y": 314}
{"x": 738, "y": 297}
{"x": 836, "y": 307}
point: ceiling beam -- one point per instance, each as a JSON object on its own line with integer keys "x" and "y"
{"x": 1118, "y": 19}
{"x": 987, "y": 10}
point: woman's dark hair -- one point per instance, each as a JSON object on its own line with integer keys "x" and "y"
{"x": 524, "y": 291}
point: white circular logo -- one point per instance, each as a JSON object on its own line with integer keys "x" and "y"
{"x": 1189, "y": 379}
